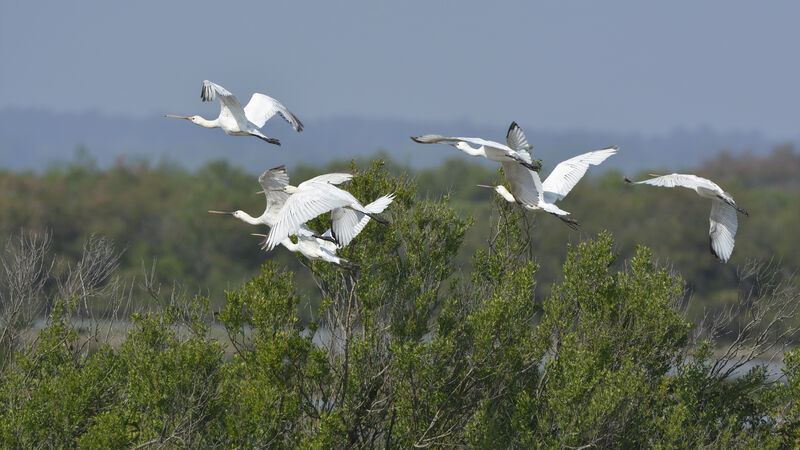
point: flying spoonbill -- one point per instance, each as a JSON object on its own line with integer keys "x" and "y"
{"x": 237, "y": 121}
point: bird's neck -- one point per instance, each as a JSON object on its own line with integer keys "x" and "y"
{"x": 205, "y": 123}
{"x": 249, "y": 219}
{"x": 468, "y": 149}
{"x": 291, "y": 246}
{"x": 507, "y": 195}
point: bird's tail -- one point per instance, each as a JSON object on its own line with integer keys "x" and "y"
{"x": 552, "y": 209}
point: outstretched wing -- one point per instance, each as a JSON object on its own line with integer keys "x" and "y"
{"x": 307, "y": 203}
{"x": 723, "y": 226}
{"x": 229, "y": 105}
{"x": 525, "y": 184}
{"x": 516, "y": 139}
{"x": 680, "y": 179}
{"x": 272, "y": 181}
{"x": 328, "y": 178}
{"x": 262, "y": 107}
{"x": 567, "y": 173}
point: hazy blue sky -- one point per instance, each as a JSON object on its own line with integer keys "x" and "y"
{"x": 611, "y": 65}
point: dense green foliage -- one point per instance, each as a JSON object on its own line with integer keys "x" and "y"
{"x": 410, "y": 350}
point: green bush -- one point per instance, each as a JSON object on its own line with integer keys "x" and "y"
{"x": 406, "y": 351}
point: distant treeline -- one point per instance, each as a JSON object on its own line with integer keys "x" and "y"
{"x": 157, "y": 214}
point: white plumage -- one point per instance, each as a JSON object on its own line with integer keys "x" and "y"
{"x": 237, "y": 121}
{"x": 317, "y": 196}
{"x": 308, "y": 243}
{"x": 722, "y": 220}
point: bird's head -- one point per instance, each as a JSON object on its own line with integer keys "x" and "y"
{"x": 289, "y": 189}
{"x": 193, "y": 119}
{"x": 238, "y": 213}
{"x": 463, "y": 146}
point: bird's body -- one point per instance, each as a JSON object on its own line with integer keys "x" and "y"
{"x": 518, "y": 150}
{"x": 722, "y": 220}
{"x": 237, "y": 121}
{"x": 317, "y": 196}
{"x": 315, "y": 248}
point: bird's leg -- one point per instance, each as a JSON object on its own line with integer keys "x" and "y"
{"x": 377, "y": 218}
{"x": 326, "y": 238}
{"x": 733, "y": 205}
{"x": 347, "y": 265}
{"x": 536, "y": 167}
{"x": 264, "y": 138}
{"x": 572, "y": 223}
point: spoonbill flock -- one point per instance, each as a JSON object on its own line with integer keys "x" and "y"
{"x": 289, "y": 208}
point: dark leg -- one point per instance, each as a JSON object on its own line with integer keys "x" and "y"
{"x": 572, "y": 223}
{"x": 268, "y": 139}
{"x": 378, "y": 218}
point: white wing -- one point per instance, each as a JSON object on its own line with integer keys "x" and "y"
{"x": 272, "y": 180}
{"x": 567, "y": 173}
{"x": 516, "y": 139}
{"x": 722, "y": 229}
{"x": 310, "y": 201}
{"x": 262, "y": 107}
{"x": 682, "y": 180}
{"x": 525, "y": 183}
{"x": 328, "y": 178}
{"x": 343, "y": 224}
{"x": 229, "y": 105}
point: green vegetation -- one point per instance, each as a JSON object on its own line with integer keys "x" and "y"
{"x": 414, "y": 349}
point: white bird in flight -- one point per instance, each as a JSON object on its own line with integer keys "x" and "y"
{"x": 319, "y": 195}
{"x": 517, "y": 150}
{"x": 527, "y": 188}
{"x": 723, "y": 223}
{"x": 308, "y": 243}
{"x": 237, "y": 121}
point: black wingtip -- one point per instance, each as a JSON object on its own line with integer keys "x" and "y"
{"x": 416, "y": 139}
{"x": 627, "y": 180}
